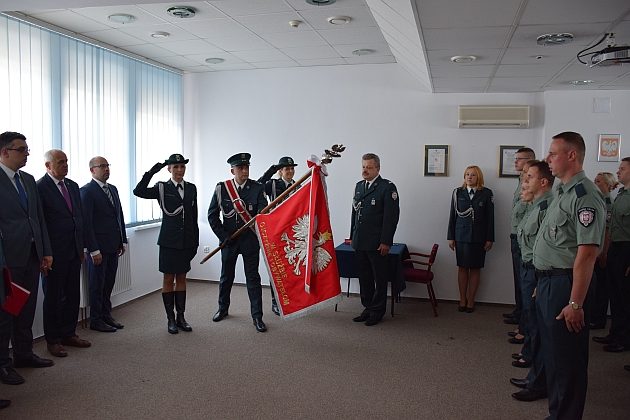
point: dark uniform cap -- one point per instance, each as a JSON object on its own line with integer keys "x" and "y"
{"x": 239, "y": 159}
{"x": 175, "y": 159}
{"x": 286, "y": 161}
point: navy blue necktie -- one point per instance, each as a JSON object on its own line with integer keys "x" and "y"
{"x": 21, "y": 192}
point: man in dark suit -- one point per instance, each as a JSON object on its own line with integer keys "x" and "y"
{"x": 61, "y": 202}
{"x": 105, "y": 240}
{"x": 247, "y": 199}
{"x": 375, "y": 213}
{"x": 3, "y": 403}
{"x": 27, "y": 251}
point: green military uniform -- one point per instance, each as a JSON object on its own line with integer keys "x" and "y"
{"x": 618, "y": 262}
{"x": 576, "y": 217}
{"x": 519, "y": 209}
{"x": 599, "y": 293}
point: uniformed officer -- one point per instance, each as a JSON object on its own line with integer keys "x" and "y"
{"x": 519, "y": 208}
{"x": 179, "y": 234}
{"x": 619, "y": 266}
{"x": 273, "y": 188}
{"x": 536, "y": 189}
{"x": 600, "y": 298}
{"x": 565, "y": 250}
{"x": 375, "y": 213}
{"x": 238, "y": 200}
{"x": 470, "y": 233}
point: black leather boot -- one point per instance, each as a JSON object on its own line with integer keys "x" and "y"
{"x": 180, "y": 304}
{"x": 169, "y": 304}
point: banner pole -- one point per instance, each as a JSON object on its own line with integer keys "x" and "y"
{"x": 327, "y": 158}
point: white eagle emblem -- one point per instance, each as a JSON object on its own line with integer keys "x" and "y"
{"x": 295, "y": 250}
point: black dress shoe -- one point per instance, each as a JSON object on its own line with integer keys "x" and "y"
{"x": 515, "y": 340}
{"x": 4, "y": 403}
{"x": 101, "y": 326}
{"x": 470, "y": 310}
{"x": 521, "y": 363}
{"x": 511, "y": 321}
{"x": 594, "y": 326}
{"x": 9, "y": 376}
{"x": 260, "y": 325}
{"x": 615, "y": 348}
{"x": 627, "y": 367}
{"x": 512, "y": 333}
{"x": 362, "y": 318}
{"x": 608, "y": 339}
{"x": 219, "y": 315}
{"x": 372, "y": 321}
{"x": 275, "y": 309}
{"x": 529, "y": 395}
{"x": 461, "y": 308}
{"x": 516, "y": 356}
{"x": 113, "y": 323}
{"x": 510, "y": 315}
{"x": 521, "y": 383}
{"x": 34, "y": 361}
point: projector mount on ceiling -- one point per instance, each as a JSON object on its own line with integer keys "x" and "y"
{"x": 611, "y": 55}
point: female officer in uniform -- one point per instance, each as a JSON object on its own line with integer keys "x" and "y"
{"x": 470, "y": 233}
{"x": 605, "y": 182}
{"x": 179, "y": 234}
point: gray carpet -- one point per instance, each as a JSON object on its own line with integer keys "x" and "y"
{"x": 413, "y": 366}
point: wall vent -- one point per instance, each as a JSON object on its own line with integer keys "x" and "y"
{"x": 494, "y": 116}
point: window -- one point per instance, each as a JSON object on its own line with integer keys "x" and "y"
{"x": 64, "y": 93}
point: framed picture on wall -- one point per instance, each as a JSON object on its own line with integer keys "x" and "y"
{"x": 609, "y": 148}
{"x": 436, "y": 160}
{"x": 506, "y": 161}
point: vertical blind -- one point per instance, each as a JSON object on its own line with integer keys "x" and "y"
{"x": 66, "y": 94}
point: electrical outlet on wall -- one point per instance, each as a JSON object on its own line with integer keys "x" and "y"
{"x": 206, "y": 249}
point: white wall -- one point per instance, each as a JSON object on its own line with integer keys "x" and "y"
{"x": 297, "y": 112}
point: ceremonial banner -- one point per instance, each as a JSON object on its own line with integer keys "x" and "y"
{"x": 298, "y": 249}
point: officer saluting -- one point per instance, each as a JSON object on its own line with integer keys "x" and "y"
{"x": 238, "y": 200}
{"x": 375, "y": 213}
{"x": 564, "y": 255}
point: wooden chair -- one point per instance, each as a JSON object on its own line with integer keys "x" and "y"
{"x": 422, "y": 275}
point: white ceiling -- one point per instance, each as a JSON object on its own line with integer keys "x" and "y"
{"x": 420, "y": 35}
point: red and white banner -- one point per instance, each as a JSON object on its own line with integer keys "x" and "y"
{"x": 298, "y": 249}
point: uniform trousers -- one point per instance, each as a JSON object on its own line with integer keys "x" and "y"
{"x": 250, "y": 250}
{"x": 61, "y": 299}
{"x": 600, "y": 294}
{"x": 516, "y": 265}
{"x": 373, "y": 276}
{"x": 618, "y": 262}
{"x": 102, "y": 278}
{"x": 536, "y": 379}
{"x": 18, "y": 329}
{"x": 565, "y": 353}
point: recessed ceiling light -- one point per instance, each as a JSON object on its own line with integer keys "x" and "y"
{"x": 160, "y": 34}
{"x": 554, "y": 39}
{"x": 183, "y": 12}
{"x": 363, "y": 51}
{"x": 320, "y": 2}
{"x": 463, "y": 59}
{"x": 215, "y": 60}
{"x": 122, "y": 18}
{"x": 581, "y": 82}
{"x": 339, "y": 20}
{"x": 294, "y": 23}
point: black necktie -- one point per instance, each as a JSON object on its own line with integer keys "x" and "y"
{"x": 367, "y": 186}
{"x": 21, "y": 191}
{"x": 471, "y": 193}
{"x": 239, "y": 189}
{"x": 179, "y": 187}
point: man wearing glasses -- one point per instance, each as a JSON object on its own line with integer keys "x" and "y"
{"x": 27, "y": 251}
{"x": 105, "y": 240}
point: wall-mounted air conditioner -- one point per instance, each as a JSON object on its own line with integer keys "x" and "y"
{"x": 494, "y": 116}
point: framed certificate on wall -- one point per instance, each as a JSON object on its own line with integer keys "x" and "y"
{"x": 436, "y": 160}
{"x": 507, "y": 155}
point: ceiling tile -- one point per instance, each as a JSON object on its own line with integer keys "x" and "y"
{"x": 100, "y": 14}
{"x": 371, "y": 59}
{"x": 303, "y": 5}
{"x": 149, "y": 50}
{"x": 532, "y": 84}
{"x": 294, "y": 39}
{"x": 317, "y": 18}
{"x": 194, "y": 46}
{"x": 599, "y": 74}
{"x": 72, "y": 21}
{"x": 350, "y": 35}
{"x": 228, "y": 67}
{"x": 275, "y": 64}
{"x": 445, "y": 39}
{"x": 114, "y": 37}
{"x": 466, "y": 13}
{"x": 456, "y": 70}
{"x": 144, "y": 32}
{"x": 202, "y": 10}
{"x": 484, "y": 56}
{"x": 572, "y": 11}
{"x": 276, "y": 22}
{"x": 528, "y": 70}
{"x": 243, "y": 42}
{"x": 322, "y": 62}
{"x": 197, "y": 69}
{"x": 213, "y": 28}
{"x": 460, "y": 82}
{"x": 584, "y": 34}
{"x": 201, "y": 58}
{"x": 311, "y": 53}
{"x": 177, "y": 61}
{"x": 250, "y": 7}
{"x": 261, "y": 55}
{"x": 378, "y": 49}
{"x": 549, "y": 55}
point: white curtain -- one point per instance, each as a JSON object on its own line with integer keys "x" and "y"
{"x": 63, "y": 93}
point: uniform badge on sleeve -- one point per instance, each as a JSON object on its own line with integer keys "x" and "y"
{"x": 586, "y": 216}
{"x": 394, "y": 196}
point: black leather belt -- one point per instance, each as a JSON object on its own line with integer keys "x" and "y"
{"x": 555, "y": 272}
{"x": 528, "y": 264}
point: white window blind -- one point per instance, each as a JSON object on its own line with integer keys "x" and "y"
{"x": 87, "y": 101}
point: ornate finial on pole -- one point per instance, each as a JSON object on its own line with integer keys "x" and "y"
{"x": 335, "y": 151}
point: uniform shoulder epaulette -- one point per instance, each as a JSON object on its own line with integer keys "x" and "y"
{"x": 580, "y": 191}
{"x": 543, "y": 205}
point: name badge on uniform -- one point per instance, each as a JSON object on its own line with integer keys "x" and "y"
{"x": 373, "y": 202}
{"x": 251, "y": 208}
